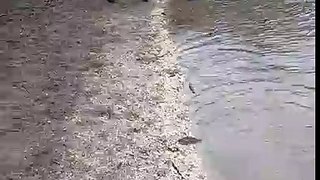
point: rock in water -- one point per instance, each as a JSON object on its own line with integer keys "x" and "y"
{"x": 188, "y": 140}
{"x": 191, "y": 88}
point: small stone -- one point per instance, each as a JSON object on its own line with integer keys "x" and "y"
{"x": 173, "y": 149}
{"x": 136, "y": 130}
{"x": 188, "y": 140}
{"x": 192, "y": 88}
{"x": 119, "y": 165}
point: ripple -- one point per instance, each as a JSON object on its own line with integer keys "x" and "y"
{"x": 255, "y": 68}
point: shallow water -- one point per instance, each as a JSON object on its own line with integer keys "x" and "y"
{"x": 252, "y": 65}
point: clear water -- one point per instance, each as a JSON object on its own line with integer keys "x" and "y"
{"x": 252, "y": 65}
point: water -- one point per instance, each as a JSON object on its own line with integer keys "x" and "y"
{"x": 252, "y": 65}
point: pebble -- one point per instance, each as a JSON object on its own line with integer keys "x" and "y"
{"x": 188, "y": 140}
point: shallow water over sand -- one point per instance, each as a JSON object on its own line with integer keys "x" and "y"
{"x": 252, "y": 65}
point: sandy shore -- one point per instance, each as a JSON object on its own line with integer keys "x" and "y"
{"x": 98, "y": 91}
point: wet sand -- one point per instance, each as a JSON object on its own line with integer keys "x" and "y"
{"x": 91, "y": 91}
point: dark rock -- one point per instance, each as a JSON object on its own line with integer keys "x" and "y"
{"x": 136, "y": 130}
{"x": 119, "y": 165}
{"x": 188, "y": 140}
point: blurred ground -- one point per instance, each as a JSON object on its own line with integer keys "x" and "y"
{"x": 83, "y": 93}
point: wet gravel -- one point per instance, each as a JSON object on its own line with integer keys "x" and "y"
{"x": 91, "y": 91}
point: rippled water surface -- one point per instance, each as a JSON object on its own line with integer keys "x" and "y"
{"x": 252, "y": 65}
